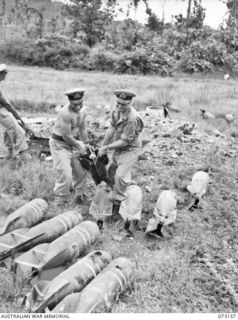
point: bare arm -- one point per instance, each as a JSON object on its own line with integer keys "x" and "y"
{"x": 67, "y": 132}
{"x": 6, "y": 104}
{"x": 83, "y": 132}
{"x": 109, "y": 135}
{"x": 117, "y": 144}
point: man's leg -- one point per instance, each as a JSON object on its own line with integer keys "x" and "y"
{"x": 112, "y": 169}
{"x": 62, "y": 164}
{"x": 14, "y": 136}
{"x": 9, "y": 145}
{"x": 8, "y": 136}
{"x": 20, "y": 140}
{"x": 122, "y": 166}
{"x": 125, "y": 163}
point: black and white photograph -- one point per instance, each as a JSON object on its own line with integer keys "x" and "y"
{"x": 118, "y": 158}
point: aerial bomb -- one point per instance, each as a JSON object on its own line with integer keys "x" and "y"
{"x": 47, "y": 231}
{"x": 198, "y": 187}
{"x": 229, "y": 117}
{"x": 130, "y": 208}
{"x": 165, "y": 211}
{"x": 63, "y": 250}
{"x": 101, "y": 206}
{"x": 26, "y": 216}
{"x": 206, "y": 114}
{"x": 74, "y": 279}
{"x": 100, "y": 292}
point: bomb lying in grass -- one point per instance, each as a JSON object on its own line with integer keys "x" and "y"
{"x": 101, "y": 206}
{"x": 130, "y": 208}
{"x": 100, "y": 292}
{"x": 26, "y": 216}
{"x": 66, "y": 249}
{"x": 197, "y": 188}
{"x": 47, "y": 231}
{"x": 165, "y": 213}
{"x": 74, "y": 279}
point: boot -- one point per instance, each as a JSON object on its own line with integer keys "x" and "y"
{"x": 126, "y": 229}
{"x": 100, "y": 224}
{"x": 194, "y": 205}
{"x": 115, "y": 211}
{"x": 9, "y": 154}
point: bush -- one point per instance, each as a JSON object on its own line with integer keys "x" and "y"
{"x": 231, "y": 62}
{"x": 54, "y": 52}
{"x": 80, "y": 50}
{"x": 15, "y": 50}
{"x": 190, "y": 64}
{"x": 134, "y": 62}
{"x": 132, "y": 48}
{"x": 203, "y": 56}
{"x": 211, "y": 51}
{"x": 102, "y": 60}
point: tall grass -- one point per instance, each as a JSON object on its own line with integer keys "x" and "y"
{"x": 44, "y": 88}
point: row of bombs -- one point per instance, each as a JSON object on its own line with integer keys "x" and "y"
{"x": 165, "y": 210}
{"x": 90, "y": 284}
{"x": 66, "y": 282}
{"x": 58, "y": 242}
{"x": 21, "y": 230}
{"x": 33, "y": 212}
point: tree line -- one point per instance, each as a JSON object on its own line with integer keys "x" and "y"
{"x": 85, "y": 34}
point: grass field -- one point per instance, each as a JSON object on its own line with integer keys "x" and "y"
{"x": 169, "y": 276}
{"x": 189, "y": 94}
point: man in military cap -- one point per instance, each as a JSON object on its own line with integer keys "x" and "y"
{"x": 123, "y": 137}
{"x": 14, "y": 134}
{"x": 65, "y": 146}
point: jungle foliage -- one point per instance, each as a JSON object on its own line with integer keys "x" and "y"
{"x": 92, "y": 39}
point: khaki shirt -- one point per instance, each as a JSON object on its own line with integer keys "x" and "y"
{"x": 127, "y": 128}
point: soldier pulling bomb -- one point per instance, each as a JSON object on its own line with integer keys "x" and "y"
{"x": 69, "y": 125}
{"x": 124, "y": 138}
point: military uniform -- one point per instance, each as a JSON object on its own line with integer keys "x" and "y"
{"x": 128, "y": 128}
{"x": 14, "y": 135}
{"x": 70, "y": 173}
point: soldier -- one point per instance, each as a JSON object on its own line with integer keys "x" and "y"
{"x": 65, "y": 147}
{"x": 14, "y": 134}
{"x": 123, "y": 137}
